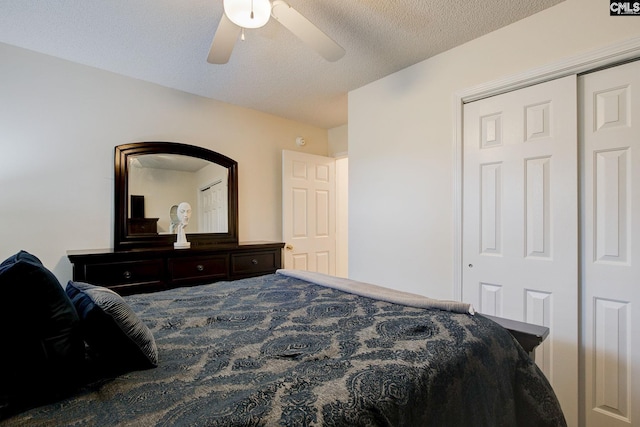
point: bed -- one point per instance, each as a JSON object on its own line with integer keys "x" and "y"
{"x": 289, "y": 350}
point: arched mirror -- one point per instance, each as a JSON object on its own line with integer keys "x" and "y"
{"x": 153, "y": 178}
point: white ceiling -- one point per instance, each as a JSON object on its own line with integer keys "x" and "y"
{"x": 167, "y": 42}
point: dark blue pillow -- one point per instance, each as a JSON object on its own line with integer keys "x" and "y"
{"x": 119, "y": 341}
{"x": 21, "y": 256}
{"x": 42, "y": 347}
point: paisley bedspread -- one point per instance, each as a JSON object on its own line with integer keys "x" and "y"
{"x": 279, "y": 351}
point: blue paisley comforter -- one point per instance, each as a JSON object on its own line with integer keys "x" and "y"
{"x": 279, "y": 351}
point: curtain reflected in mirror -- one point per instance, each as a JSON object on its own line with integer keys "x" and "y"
{"x": 157, "y": 183}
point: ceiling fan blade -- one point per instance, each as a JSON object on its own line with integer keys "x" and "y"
{"x": 223, "y": 41}
{"x": 306, "y": 31}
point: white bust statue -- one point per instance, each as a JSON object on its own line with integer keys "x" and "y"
{"x": 184, "y": 214}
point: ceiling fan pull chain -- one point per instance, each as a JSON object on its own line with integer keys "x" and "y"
{"x": 235, "y": 19}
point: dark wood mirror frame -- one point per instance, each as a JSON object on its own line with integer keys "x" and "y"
{"x": 124, "y": 241}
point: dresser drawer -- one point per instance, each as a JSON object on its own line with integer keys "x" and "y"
{"x": 156, "y": 269}
{"x": 199, "y": 269}
{"x": 149, "y": 271}
{"x": 254, "y": 263}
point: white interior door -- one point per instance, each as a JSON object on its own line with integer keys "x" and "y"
{"x": 309, "y": 212}
{"x": 520, "y": 219}
{"x": 611, "y": 244}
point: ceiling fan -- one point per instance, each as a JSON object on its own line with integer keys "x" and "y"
{"x": 241, "y": 14}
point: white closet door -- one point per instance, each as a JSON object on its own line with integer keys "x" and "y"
{"x": 213, "y": 202}
{"x": 611, "y": 244}
{"x": 520, "y": 219}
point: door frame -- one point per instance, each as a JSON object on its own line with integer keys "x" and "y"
{"x": 607, "y": 56}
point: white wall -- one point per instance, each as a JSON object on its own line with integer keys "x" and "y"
{"x": 339, "y": 148}
{"x": 342, "y": 217}
{"x": 161, "y": 189}
{"x": 59, "y": 124}
{"x": 401, "y": 139}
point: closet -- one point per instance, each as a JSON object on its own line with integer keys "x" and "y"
{"x": 551, "y": 229}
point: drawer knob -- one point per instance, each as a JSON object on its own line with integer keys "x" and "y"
{"x": 200, "y": 267}
{"x": 127, "y": 274}
{"x": 254, "y": 261}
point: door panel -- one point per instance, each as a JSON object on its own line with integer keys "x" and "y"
{"x": 520, "y": 219}
{"x": 611, "y": 244}
{"x": 309, "y": 212}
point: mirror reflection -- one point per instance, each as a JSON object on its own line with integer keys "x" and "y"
{"x": 158, "y": 183}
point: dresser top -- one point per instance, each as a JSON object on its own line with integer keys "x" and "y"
{"x": 169, "y": 250}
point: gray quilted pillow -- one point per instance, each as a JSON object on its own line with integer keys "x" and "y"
{"x": 117, "y": 338}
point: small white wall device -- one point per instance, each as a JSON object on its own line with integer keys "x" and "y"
{"x": 300, "y": 142}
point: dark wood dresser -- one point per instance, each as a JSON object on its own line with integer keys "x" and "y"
{"x": 142, "y": 226}
{"x": 150, "y": 270}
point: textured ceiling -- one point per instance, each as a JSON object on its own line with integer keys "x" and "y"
{"x": 167, "y": 42}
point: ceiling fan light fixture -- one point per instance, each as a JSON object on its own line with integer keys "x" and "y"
{"x": 248, "y": 13}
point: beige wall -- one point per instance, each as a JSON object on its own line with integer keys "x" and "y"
{"x": 401, "y": 142}
{"x": 338, "y": 141}
{"x": 59, "y": 124}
